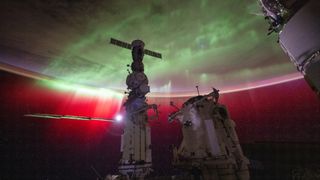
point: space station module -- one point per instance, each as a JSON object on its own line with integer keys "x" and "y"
{"x": 210, "y": 147}
{"x": 298, "y": 27}
{"x": 136, "y": 159}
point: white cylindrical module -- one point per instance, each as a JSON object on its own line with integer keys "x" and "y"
{"x": 213, "y": 141}
{"x": 300, "y": 39}
{"x": 210, "y": 148}
{"x": 135, "y": 147}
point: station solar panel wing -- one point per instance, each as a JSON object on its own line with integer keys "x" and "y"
{"x": 120, "y": 43}
{"x": 56, "y": 116}
{"x": 152, "y": 53}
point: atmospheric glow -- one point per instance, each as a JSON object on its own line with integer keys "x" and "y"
{"x": 204, "y": 43}
{"x": 82, "y": 90}
{"x": 162, "y": 91}
{"x": 248, "y": 86}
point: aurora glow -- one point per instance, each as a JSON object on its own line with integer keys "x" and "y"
{"x": 81, "y": 89}
{"x": 205, "y": 43}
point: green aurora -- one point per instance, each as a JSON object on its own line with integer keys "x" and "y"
{"x": 206, "y": 43}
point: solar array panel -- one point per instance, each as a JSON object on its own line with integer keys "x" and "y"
{"x": 57, "y": 116}
{"x": 128, "y": 46}
{"x": 152, "y": 53}
{"x": 120, "y": 43}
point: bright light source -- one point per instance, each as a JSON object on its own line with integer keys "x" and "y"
{"x": 118, "y": 117}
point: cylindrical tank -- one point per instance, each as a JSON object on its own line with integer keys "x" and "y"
{"x": 300, "y": 39}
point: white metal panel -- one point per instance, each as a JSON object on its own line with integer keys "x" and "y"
{"x": 212, "y": 137}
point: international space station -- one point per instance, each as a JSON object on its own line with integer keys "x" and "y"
{"x": 217, "y": 153}
{"x": 210, "y": 148}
